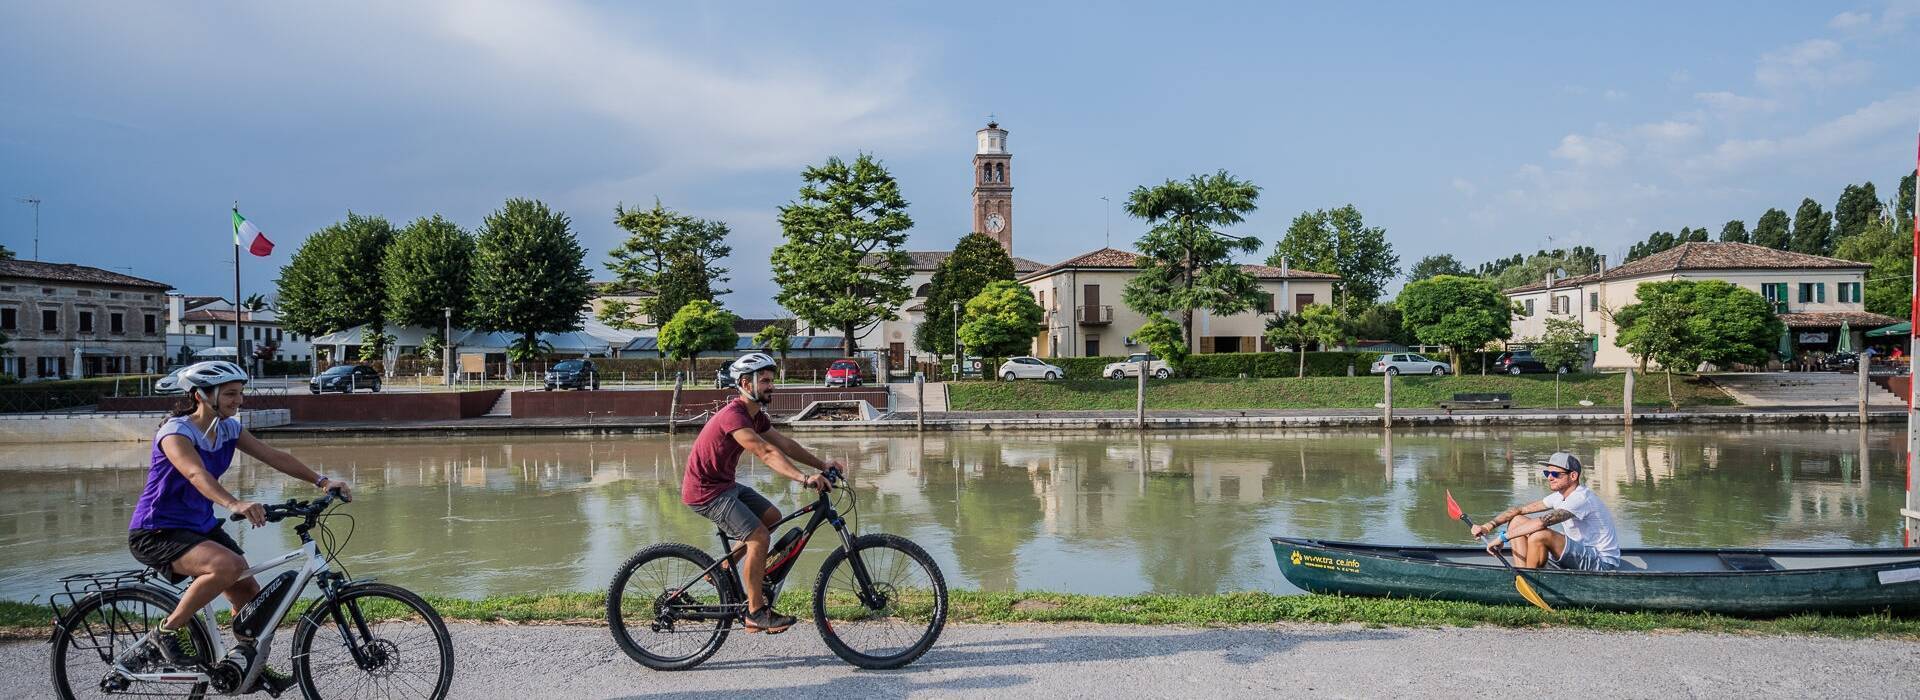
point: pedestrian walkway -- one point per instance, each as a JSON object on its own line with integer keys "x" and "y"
{"x": 1801, "y": 389}
{"x": 905, "y": 400}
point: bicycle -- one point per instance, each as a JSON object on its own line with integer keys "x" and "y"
{"x": 876, "y": 586}
{"x": 100, "y": 615}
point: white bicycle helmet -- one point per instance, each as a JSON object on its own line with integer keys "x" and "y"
{"x": 203, "y": 375}
{"x": 748, "y": 364}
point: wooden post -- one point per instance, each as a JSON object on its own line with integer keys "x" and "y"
{"x": 1626, "y": 408}
{"x": 673, "y": 405}
{"x": 1386, "y": 407}
{"x": 1140, "y": 399}
{"x": 919, "y": 402}
{"x": 1862, "y": 362}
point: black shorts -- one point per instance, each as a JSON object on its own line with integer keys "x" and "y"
{"x": 160, "y": 548}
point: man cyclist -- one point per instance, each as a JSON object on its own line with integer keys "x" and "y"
{"x": 709, "y": 488}
{"x": 173, "y": 528}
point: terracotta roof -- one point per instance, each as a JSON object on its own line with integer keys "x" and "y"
{"x": 1706, "y": 256}
{"x": 929, "y": 260}
{"x": 1858, "y": 320}
{"x": 223, "y": 315}
{"x": 67, "y": 272}
{"x": 1115, "y": 259}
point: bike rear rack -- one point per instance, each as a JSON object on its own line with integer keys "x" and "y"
{"x": 97, "y": 634}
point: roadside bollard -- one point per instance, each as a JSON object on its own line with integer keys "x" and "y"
{"x": 673, "y": 406}
{"x": 1140, "y": 399}
{"x": 1386, "y": 406}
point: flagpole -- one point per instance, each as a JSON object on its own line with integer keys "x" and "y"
{"x": 236, "y": 289}
{"x": 1912, "y": 511}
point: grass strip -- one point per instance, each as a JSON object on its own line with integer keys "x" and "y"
{"x": 1529, "y": 391}
{"x": 25, "y": 619}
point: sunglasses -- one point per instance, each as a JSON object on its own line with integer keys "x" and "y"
{"x": 1551, "y": 474}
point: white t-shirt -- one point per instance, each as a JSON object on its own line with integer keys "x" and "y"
{"x": 1592, "y": 523}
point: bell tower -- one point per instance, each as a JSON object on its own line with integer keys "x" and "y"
{"x": 992, "y": 186}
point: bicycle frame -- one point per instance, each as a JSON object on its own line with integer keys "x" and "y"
{"x": 315, "y": 564}
{"x": 777, "y": 570}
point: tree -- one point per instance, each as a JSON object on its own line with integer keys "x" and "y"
{"x": 428, "y": 269}
{"x": 1812, "y": 229}
{"x": 1859, "y": 206}
{"x": 528, "y": 273}
{"x": 1340, "y": 242}
{"x": 255, "y": 303}
{"x": 664, "y": 248}
{"x": 700, "y": 326}
{"x": 373, "y": 344}
{"x": 1162, "y": 337}
{"x": 5, "y": 252}
{"x": 1460, "y": 313}
{"x": 1435, "y": 266}
{"x": 328, "y": 283}
{"x": 1563, "y": 345}
{"x": 1735, "y": 231}
{"x": 1887, "y": 245}
{"x": 1903, "y": 205}
{"x": 1314, "y": 323}
{"x": 841, "y": 265}
{"x": 1001, "y": 320}
{"x": 1579, "y": 260}
{"x": 1684, "y": 323}
{"x": 1185, "y": 263}
{"x": 975, "y": 263}
{"x": 775, "y": 338}
{"x": 1380, "y": 322}
{"x": 1771, "y": 230}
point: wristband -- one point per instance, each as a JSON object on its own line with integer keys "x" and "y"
{"x": 317, "y": 483}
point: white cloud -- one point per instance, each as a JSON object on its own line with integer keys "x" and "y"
{"x": 1668, "y": 131}
{"x": 1729, "y": 103}
{"x": 1462, "y": 186}
{"x": 1814, "y": 63}
{"x": 1590, "y": 150}
{"x": 1847, "y": 21}
{"x": 1613, "y": 95}
{"x": 1875, "y": 119}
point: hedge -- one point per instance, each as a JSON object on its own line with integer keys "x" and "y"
{"x": 69, "y": 393}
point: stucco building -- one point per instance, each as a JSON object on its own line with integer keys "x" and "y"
{"x": 68, "y": 321}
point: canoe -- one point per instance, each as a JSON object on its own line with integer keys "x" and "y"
{"x": 1744, "y": 582}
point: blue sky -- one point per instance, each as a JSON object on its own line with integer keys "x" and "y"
{"x": 1479, "y": 131}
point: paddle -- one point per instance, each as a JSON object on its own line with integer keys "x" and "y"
{"x": 1519, "y": 581}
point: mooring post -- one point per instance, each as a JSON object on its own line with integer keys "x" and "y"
{"x": 919, "y": 402}
{"x": 1626, "y": 402}
{"x": 1386, "y": 407}
{"x": 1140, "y": 399}
{"x": 1863, "y": 387}
{"x": 673, "y": 405}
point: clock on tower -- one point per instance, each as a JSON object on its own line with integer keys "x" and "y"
{"x": 992, "y": 191}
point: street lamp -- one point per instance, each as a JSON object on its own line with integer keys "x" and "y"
{"x": 958, "y": 358}
{"x": 446, "y": 349}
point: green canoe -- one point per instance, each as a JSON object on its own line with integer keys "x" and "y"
{"x": 1745, "y": 582}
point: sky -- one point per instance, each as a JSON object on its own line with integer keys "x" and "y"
{"x": 1477, "y": 131}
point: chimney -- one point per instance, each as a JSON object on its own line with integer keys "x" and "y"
{"x": 1603, "y": 264}
{"x": 1549, "y": 279}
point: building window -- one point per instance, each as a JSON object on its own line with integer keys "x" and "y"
{"x": 86, "y": 322}
{"x": 1849, "y": 292}
{"x": 9, "y": 319}
{"x": 46, "y": 291}
{"x": 200, "y": 330}
{"x": 1529, "y": 307}
{"x": 115, "y": 325}
{"x": 1774, "y": 291}
{"x": 1266, "y": 303}
{"x": 85, "y": 292}
{"x": 223, "y": 332}
{"x": 113, "y": 295}
{"x": 1593, "y": 301}
{"x": 1301, "y": 301}
{"x": 49, "y": 320}
{"x": 1813, "y": 292}
{"x": 151, "y": 327}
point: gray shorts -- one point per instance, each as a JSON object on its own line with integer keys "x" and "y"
{"x": 736, "y": 510}
{"x": 1577, "y": 556}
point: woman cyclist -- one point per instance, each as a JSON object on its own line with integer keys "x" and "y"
{"x": 174, "y": 529}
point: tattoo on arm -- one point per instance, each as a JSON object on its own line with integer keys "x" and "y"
{"x": 1556, "y": 516}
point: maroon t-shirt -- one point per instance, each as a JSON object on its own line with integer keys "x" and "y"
{"x": 715, "y": 453}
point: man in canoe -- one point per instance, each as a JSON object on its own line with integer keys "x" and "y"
{"x": 1588, "y": 543}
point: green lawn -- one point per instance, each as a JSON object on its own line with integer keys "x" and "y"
{"x": 21, "y": 620}
{"x": 1529, "y": 391}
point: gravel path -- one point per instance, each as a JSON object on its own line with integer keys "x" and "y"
{"x": 1081, "y": 660}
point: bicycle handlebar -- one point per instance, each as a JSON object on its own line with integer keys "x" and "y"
{"x": 295, "y": 508}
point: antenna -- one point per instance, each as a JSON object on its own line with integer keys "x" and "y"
{"x": 34, "y": 202}
{"x": 1109, "y": 215}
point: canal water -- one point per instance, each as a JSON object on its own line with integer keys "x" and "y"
{"x": 1085, "y": 512}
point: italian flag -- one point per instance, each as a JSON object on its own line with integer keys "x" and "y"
{"x": 242, "y": 227}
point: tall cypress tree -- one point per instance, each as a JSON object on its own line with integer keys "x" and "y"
{"x": 1771, "y": 231}
{"x": 1812, "y": 229}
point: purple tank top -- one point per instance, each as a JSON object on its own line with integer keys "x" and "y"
{"x": 169, "y": 500}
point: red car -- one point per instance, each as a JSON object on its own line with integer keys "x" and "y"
{"x": 843, "y": 373}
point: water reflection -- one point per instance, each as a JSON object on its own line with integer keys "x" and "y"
{"x": 1087, "y": 512}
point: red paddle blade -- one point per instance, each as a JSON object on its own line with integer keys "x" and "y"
{"x": 1453, "y": 509}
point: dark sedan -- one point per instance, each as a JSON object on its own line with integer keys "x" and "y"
{"x": 573, "y": 374}
{"x": 345, "y": 379}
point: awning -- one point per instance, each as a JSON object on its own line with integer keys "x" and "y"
{"x": 1898, "y": 329}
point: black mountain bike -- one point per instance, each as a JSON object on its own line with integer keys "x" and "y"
{"x": 357, "y": 639}
{"x": 880, "y": 601}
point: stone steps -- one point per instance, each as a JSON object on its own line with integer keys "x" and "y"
{"x": 1802, "y": 389}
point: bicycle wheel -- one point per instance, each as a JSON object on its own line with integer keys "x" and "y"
{"x": 646, "y": 607}
{"x": 897, "y": 620}
{"x": 405, "y": 650}
{"x": 100, "y": 627}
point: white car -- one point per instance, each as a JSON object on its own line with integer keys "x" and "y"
{"x": 1029, "y": 368}
{"x": 1409, "y": 363}
{"x": 1130, "y": 367}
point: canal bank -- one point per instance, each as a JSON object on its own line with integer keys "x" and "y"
{"x": 1171, "y": 420}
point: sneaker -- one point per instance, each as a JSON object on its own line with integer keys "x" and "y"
{"x": 767, "y": 620}
{"x": 159, "y": 646}
{"x": 273, "y": 682}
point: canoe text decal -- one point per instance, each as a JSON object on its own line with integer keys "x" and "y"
{"x": 1899, "y": 576}
{"x": 1351, "y": 566}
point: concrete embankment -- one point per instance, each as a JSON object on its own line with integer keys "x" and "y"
{"x": 44, "y": 428}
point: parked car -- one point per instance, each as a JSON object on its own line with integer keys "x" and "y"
{"x": 170, "y": 375}
{"x": 345, "y": 379}
{"x": 1130, "y": 367}
{"x": 1521, "y": 361}
{"x": 722, "y": 379}
{"x": 844, "y": 372}
{"x": 1029, "y": 368}
{"x": 1409, "y": 363}
{"x": 573, "y": 374}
